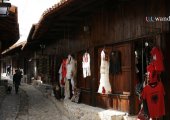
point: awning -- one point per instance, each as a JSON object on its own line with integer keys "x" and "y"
{"x": 16, "y": 45}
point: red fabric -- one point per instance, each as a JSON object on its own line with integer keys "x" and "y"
{"x": 64, "y": 70}
{"x": 62, "y": 81}
{"x": 155, "y": 99}
{"x": 152, "y": 73}
{"x": 103, "y": 90}
{"x": 158, "y": 63}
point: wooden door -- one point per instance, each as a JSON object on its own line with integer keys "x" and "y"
{"x": 120, "y": 82}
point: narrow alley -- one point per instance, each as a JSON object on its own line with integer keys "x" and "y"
{"x": 29, "y": 104}
{"x": 85, "y": 59}
{"x": 35, "y": 103}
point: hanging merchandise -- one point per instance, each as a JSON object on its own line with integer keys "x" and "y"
{"x": 70, "y": 76}
{"x": 156, "y": 66}
{"x": 62, "y": 77}
{"x": 86, "y": 65}
{"x": 152, "y": 74}
{"x": 157, "y": 59}
{"x": 104, "y": 87}
{"x": 64, "y": 71}
{"x": 115, "y": 62}
{"x": 154, "y": 95}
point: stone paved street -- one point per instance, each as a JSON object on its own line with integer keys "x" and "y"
{"x": 34, "y": 103}
{"x": 10, "y": 106}
{"x": 29, "y": 104}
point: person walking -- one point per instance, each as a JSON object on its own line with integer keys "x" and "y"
{"x": 16, "y": 80}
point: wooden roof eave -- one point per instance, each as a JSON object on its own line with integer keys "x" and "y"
{"x": 61, "y": 12}
{"x": 29, "y": 38}
{"x": 47, "y": 14}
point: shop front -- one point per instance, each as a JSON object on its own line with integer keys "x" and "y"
{"x": 110, "y": 43}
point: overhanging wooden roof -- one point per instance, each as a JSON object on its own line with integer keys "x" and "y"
{"x": 63, "y": 18}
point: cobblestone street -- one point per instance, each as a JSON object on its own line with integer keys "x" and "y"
{"x": 35, "y": 103}
{"x": 29, "y": 104}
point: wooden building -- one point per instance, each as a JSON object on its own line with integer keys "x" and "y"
{"x": 9, "y": 34}
{"x": 76, "y": 26}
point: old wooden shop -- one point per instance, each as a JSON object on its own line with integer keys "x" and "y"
{"x": 127, "y": 29}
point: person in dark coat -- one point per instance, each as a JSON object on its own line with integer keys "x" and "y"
{"x": 16, "y": 80}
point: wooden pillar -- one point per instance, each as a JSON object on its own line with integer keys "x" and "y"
{"x": 93, "y": 64}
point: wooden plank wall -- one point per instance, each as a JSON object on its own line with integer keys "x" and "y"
{"x": 120, "y": 83}
{"x": 108, "y": 26}
{"x": 166, "y": 74}
{"x": 114, "y": 23}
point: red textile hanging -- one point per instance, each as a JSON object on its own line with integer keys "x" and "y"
{"x": 154, "y": 95}
{"x": 156, "y": 53}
